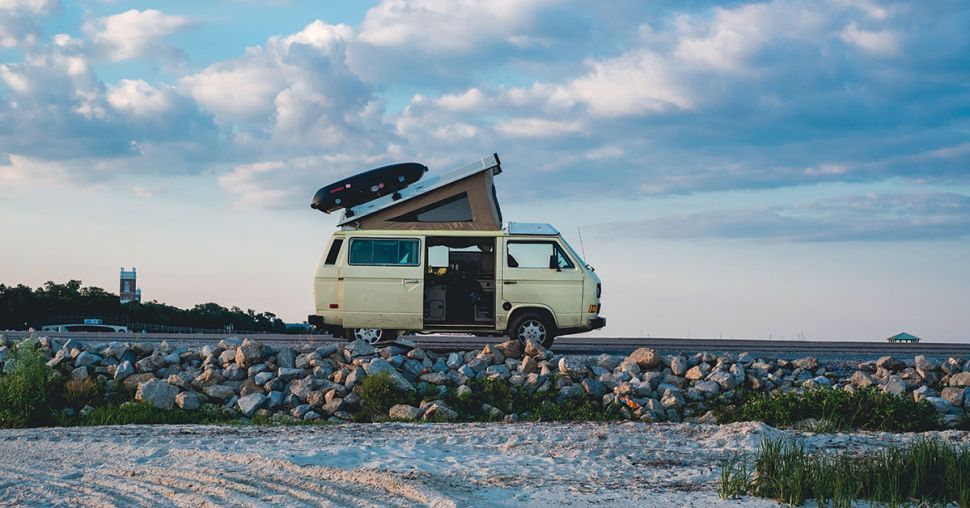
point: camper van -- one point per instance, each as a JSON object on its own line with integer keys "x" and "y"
{"x": 433, "y": 257}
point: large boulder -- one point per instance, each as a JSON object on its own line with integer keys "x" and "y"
{"x": 249, "y": 353}
{"x": 645, "y": 358}
{"x": 510, "y": 348}
{"x": 189, "y": 400}
{"x": 808, "y": 363}
{"x": 960, "y": 379}
{"x": 954, "y": 395}
{"x": 249, "y": 404}
{"x": 404, "y": 412}
{"x": 359, "y": 348}
{"x": 86, "y": 359}
{"x": 158, "y": 393}
{"x": 925, "y": 364}
{"x": 286, "y": 358}
{"x": 378, "y": 365}
{"x": 123, "y": 370}
{"x": 572, "y": 367}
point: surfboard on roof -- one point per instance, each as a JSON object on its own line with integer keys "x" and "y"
{"x": 460, "y": 199}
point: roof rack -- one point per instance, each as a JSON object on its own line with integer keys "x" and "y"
{"x": 420, "y": 188}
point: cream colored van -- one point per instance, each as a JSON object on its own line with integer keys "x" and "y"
{"x": 433, "y": 258}
{"x": 373, "y": 285}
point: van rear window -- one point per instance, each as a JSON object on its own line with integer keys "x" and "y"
{"x": 384, "y": 251}
{"x": 334, "y": 251}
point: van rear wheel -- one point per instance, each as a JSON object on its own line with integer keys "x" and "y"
{"x": 371, "y": 335}
{"x": 532, "y": 326}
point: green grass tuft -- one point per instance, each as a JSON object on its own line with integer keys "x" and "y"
{"x": 138, "y": 413}
{"x": 27, "y": 389}
{"x": 833, "y": 410}
{"x": 926, "y": 472}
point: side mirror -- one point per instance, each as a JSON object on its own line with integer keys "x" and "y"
{"x": 554, "y": 263}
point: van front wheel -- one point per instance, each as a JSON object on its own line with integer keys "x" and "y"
{"x": 371, "y": 335}
{"x": 532, "y": 326}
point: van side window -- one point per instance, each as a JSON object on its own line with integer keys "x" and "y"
{"x": 334, "y": 251}
{"x": 537, "y": 255}
{"x": 384, "y": 251}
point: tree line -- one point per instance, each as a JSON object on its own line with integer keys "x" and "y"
{"x": 22, "y": 307}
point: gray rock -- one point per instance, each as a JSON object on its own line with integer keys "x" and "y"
{"x": 404, "y": 412}
{"x": 333, "y": 405}
{"x": 454, "y": 360}
{"x": 889, "y": 363}
{"x": 894, "y": 386}
{"x": 497, "y": 372}
{"x": 440, "y": 412}
{"x": 288, "y": 373}
{"x": 645, "y": 358}
{"x": 230, "y": 343}
{"x": 378, "y": 365}
{"x": 158, "y": 393}
{"x": 953, "y": 395}
{"x": 726, "y": 380}
{"x": 234, "y": 373}
{"x": 697, "y": 372}
{"x": 960, "y": 379}
{"x": 311, "y": 416}
{"x": 860, "y": 379}
{"x": 151, "y": 363}
{"x": 58, "y": 357}
{"x": 80, "y": 373}
{"x": 708, "y": 388}
{"x": 302, "y": 388}
{"x": 263, "y": 378}
{"x": 941, "y": 405}
{"x": 808, "y": 363}
{"x": 359, "y": 348}
{"x": 86, "y": 359}
{"x": 299, "y": 411}
{"x": 924, "y": 392}
{"x": 534, "y": 349}
{"x": 274, "y": 399}
{"x": 435, "y": 378}
{"x": 572, "y": 367}
{"x": 925, "y": 364}
{"x": 227, "y": 356}
{"x": 221, "y": 392}
{"x": 123, "y": 370}
{"x": 510, "y": 348}
{"x": 250, "y": 403}
{"x": 463, "y": 392}
{"x": 595, "y": 388}
{"x": 678, "y": 365}
{"x": 286, "y": 358}
{"x": 189, "y": 400}
{"x": 571, "y": 392}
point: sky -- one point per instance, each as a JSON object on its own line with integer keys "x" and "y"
{"x": 783, "y": 169}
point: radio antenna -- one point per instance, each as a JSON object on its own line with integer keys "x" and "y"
{"x": 581, "y": 245}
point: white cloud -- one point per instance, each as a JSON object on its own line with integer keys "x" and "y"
{"x": 880, "y": 42}
{"x": 19, "y": 170}
{"x": 447, "y": 26}
{"x": 34, "y": 6}
{"x": 140, "y": 99}
{"x": 538, "y": 128}
{"x": 133, "y": 33}
{"x": 636, "y": 83}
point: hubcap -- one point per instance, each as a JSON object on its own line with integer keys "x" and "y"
{"x": 532, "y": 330}
{"x": 368, "y": 335}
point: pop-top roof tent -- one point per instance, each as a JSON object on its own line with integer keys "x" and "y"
{"x": 460, "y": 200}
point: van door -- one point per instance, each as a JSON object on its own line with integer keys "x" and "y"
{"x": 538, "y": 271}
{"x": 383, "y": 283}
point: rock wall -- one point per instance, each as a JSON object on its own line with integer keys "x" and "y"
{"x": 324, "y": 382}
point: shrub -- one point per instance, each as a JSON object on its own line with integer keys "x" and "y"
{"x": 27, "y": 389}
{"x": 78, "y": 393}
{"x": 926, "y": 471}
{"x": 378, "y": 393}
{"x": 868, "y": 409}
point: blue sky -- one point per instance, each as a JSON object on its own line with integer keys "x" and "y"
{"x": 740, "y": 169}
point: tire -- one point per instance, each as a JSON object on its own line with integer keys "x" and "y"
{"x": 372, "y": 336}
{"x": 533, "y": 325}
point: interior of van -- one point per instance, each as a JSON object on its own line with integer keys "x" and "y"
{"x": 459, "y": 284}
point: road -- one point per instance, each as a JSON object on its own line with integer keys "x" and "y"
{"x": 572, "y": 345}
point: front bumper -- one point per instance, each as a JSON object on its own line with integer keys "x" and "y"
{"x": 597, "y": 322}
